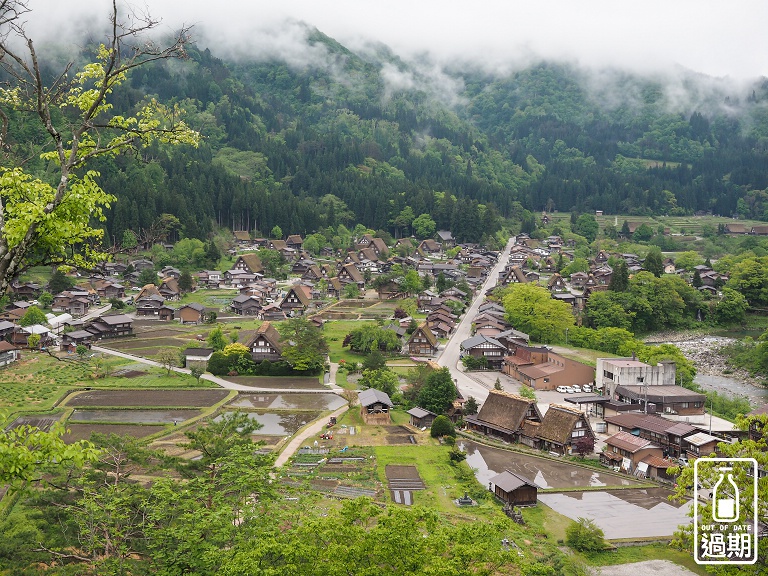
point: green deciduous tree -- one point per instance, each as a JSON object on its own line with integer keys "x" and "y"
{"x": 26, "y": 452}
{"x": 382, "y": 379}
{"x": 438, "y": 392}
{"x": 751, "y": 447}
{"x": 185, "y": 281}
{"x": 424, "y": 226}
{"x": 45, "y": 299}
{"x": 59, "y": 282}
{"x": 620, "y": 277}
{"x": 42, "y": 223}
{"x": 654, "y": 262}
{"x": 147, "y": 276}
{"x": 584, "y": 536}
{"x": 532, "y": 310}
{"x": 33, "y": 315}
{"x": 304, "y": 346}
{"x": 731, "y": 308}
{"x": 216, "y": 339}
{"x": 750, "y": 278}
{"x": 586, "y": 226}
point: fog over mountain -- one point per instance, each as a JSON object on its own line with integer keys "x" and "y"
{"x": 714, "y": 38}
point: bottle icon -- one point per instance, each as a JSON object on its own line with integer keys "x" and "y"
{"x": 725, "y": 498}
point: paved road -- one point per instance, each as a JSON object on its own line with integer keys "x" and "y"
{"x": 450, "y": 354}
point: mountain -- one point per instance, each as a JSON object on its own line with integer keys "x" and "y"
{"x": 334, "y": 136}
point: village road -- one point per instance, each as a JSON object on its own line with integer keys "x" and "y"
{"x": 450, "y": 356}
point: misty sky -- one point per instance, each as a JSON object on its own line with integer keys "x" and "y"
{"x": 718, "y": 38}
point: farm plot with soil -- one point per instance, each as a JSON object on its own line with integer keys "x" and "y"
{"x": 158, "y": 398}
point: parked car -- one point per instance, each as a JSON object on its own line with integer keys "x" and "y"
{"x": 564, "y": 389}
{"x": 576, "y": 388}
{"x": 586, "y": 388}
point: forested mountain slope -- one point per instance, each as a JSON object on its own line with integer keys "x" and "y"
{"x": 359, "y": 137}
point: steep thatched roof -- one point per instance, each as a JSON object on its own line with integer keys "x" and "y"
{"x": 558, "y": 423}
{"x": 504, "y": 410}
{"x": 270, "y": 333}
{"x": 252, "y": 263}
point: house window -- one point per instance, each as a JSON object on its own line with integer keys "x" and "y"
{"x": 683, "y": 404}
{"x": 578, "y": 433}
{"x": 607, "y": 374}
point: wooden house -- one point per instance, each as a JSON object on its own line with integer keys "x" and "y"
{"x": 246, "y": 305}
{"x": 8, "y": 353}
{"x": 626, "y": 451}
{"x": 294, "y": 241}
{"x": 446, "y": 239}
{"x": 149, "y": 305}
{"x": 192, "y": 313}
{"x": 249, "y": 263}
{"x": 485, "y": 346}
{"x": 422, "y": 342}
{"x": 503, "y": 414}
{"x": 111, "y": 326}
{"x": 194, "y": 356}
{"x": 514, "y": 489}
{"x": 297, "y": 300}
{"x": 265, "y": 344}
{"x": 350, "y": 274}
{"x": 668, "y": 434}
{"x": 560, "y": 428}
{"x": 242, "y": 237}
{"x": 700, "y": 444}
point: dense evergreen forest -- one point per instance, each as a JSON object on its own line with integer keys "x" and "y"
{"x": 361, "y": 137}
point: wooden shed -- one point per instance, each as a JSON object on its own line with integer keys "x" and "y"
{"x": 421, "y": 418}
{"x": 514, "y": 489}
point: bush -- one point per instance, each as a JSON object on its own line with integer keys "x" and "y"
{"x": 442, "y": 426}
{"x": 584, "y": 536}
{"x": 475, "y": 363}
{"x": 457, "y": 455}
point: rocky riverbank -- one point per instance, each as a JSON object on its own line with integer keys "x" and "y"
{"x": 712, "y": 369}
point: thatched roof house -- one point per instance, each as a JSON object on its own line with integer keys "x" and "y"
{"x": 560, "y": 427}
{"x": 503, "y": 414}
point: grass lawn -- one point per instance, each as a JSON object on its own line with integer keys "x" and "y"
{"x": 547, "y": 520}
{"x": 444, "y": 481}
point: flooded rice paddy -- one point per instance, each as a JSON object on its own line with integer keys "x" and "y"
{"x": 279, "y": 424}
{"x": 635, "y": 513}
{"x": 134, "y": 416}
{"x": 487, "y": 462}
{"x": 289, "y": 401}
{"x": 631, "y": 512}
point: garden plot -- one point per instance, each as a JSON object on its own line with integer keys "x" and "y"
{"x": 403, "y": 481}
{"x": 399, "y": 435}
{"x": 43, "y": 422}
{"x": 148, "y": 398}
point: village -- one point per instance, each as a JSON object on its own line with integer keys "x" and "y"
{"x": 602, "y": 440}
